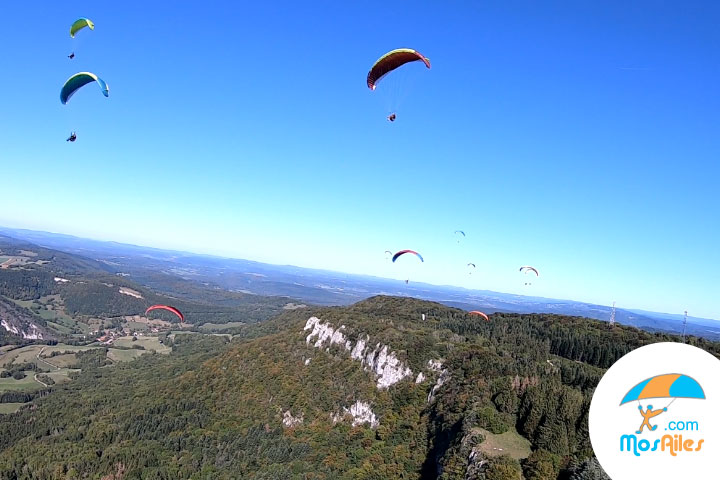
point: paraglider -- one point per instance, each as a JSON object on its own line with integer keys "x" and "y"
{"x": 460, "y": 235}
{"x": 403, "y": 252}
{"x": 79, "y": 80}
{"x": 72, "y": 137}
{"x": 527, "y": 269}
{"x": 390, "y": 61}
{"x": 168, "y": 308}
{"x": 480, "y": 314}
{"x": 471, "y": 267}
{"x": 79, "y": 24}
{"x": 388, "y": 254}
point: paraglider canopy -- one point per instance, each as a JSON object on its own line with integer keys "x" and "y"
{"x": 79, "y": 24}
{"x": 168, "y": 308}
{"x": 479, "y": 313}
{"x": 79, "y": 80}
{"x": 670, "y": 385}
{"x": 392, "y": 60}
{"x": 528, "y": 269}
{"x": 403, "y": 252}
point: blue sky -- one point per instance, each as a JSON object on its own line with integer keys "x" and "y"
{"x": 577, "y": 137}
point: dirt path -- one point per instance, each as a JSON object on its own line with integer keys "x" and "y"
{"x": 40, "y": 382}
{"x": 45, "y": 361}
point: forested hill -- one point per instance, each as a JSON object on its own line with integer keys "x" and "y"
{"x": 370, "y": 391}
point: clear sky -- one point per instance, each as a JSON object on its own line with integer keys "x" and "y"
{"x": 578, "y": 137}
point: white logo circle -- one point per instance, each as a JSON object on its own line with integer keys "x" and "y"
{"x": 655, "y": 414}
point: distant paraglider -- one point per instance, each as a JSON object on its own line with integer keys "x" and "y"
{"x": 480, "y": 314}
{"x": 79, "y": 24}
{"x": 403, "y": 252}
{"x": 72, "y": 137}
{"x": 527, "y": 269}
{"x": 388, "y": 254}
{"x": 471, "y": 267}
{"x": 168, "y": 308}
{"x": 390, "y": 62}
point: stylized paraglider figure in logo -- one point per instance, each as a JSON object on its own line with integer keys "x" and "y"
{"x": 670, "y": 385}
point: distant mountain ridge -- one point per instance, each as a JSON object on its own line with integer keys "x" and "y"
{"x": 323, "y": 287}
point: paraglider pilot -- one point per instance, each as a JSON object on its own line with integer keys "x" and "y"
{"x": 72, "y": 137}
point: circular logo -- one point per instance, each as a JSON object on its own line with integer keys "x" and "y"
{"x": 655, "y": 414}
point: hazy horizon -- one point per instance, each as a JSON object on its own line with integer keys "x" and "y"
{"x": 340, "y": 272}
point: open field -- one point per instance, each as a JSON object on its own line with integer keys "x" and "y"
{"x": 62, "y": 375}
{"x": 64, "y": 361}
{"x": 219, "y": 327}
{"x": 21, "y": 355}
{"x": 148, "y": 343}
{"x": 27, "y": 384}
{"x": 508, "y": 443}
{"x": 124, "y": 355}
{"x": 6, "y": 408}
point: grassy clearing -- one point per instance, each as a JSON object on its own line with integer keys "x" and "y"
{"x": 219, "y": 327}
{"x": 148, "y": 343}
{"x": 62, "y": 329}
{"x": 61, "y": 376}
{"x": 508, "y": 443}
{"x": 137, "y": 326}
{"x": 64, "y": 361}
{"x": 6, "y": 408}
{"x": 124, "y": 355}
{"x": 27, "y": 384}
{"x": 20, "y": 355}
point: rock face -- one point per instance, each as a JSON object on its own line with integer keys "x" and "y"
{"x": 380, "y": 360}
{"x": 18, "y": 322}
{"x": 290, "y": 421}
{"x": 437, "y": 366}
{"x": 360, "y": 412}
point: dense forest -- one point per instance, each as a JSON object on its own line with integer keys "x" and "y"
{"x": 216, "y": 408}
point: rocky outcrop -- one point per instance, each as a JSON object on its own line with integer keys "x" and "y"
{"x": 437, "y": 366}
{"x": 289, "y": 421}
{"x": 360, "y": 412}
{"x": 380, "y": 360}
